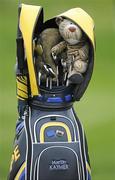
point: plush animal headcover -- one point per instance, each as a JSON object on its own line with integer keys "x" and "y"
{"x": 70, "y": 31}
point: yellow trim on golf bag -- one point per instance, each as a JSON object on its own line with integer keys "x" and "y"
{"x": 20, "y": 171}
{"x": 83, "y": 19}
{"x": 22, "y": 88}
{"x": 88, "y": 168}
{"x": 49, "y": 124}
{"x": 28, "y": 18}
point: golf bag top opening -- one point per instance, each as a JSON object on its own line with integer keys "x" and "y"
{"x": 44, "y": 73}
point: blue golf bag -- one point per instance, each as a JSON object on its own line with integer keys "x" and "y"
{"x": 50, "y": 142}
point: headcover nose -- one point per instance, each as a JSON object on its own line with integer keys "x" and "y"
{"x": 72, "y": 28}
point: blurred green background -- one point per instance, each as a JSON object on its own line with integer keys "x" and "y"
{"x": 96, "y": 109}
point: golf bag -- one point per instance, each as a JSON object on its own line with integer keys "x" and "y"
{"x": 50, "y": 141}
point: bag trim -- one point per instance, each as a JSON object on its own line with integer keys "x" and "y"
{"x": 49, "y": 124}
{"x": 52, "y": 115}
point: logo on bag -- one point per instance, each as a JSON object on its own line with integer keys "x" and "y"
{"x": 15, "y": 156}
{"x": 59, "y": 165}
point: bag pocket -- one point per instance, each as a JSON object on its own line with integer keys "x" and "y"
{"x": 59, "y": 163}
{"x": 54, "y": 129}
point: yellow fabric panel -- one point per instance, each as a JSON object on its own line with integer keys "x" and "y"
{"x": 22, "y": 94}
{"x": 28, "y": 19}
{"x": 83, "y": 19}
{"x": 20, "y": 171}
{"x": 49, "y": 124}
{"x": 20, "y": 98}
{"x": 22, "y": 79}
{"x": 22, "y": 86}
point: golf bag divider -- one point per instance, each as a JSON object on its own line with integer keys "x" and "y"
{"x": 56, "y": 98}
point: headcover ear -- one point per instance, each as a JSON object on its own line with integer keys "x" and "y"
{"x": 59, "y": 20}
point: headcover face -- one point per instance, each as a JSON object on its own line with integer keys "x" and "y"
{"x": 85, "y": 22}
